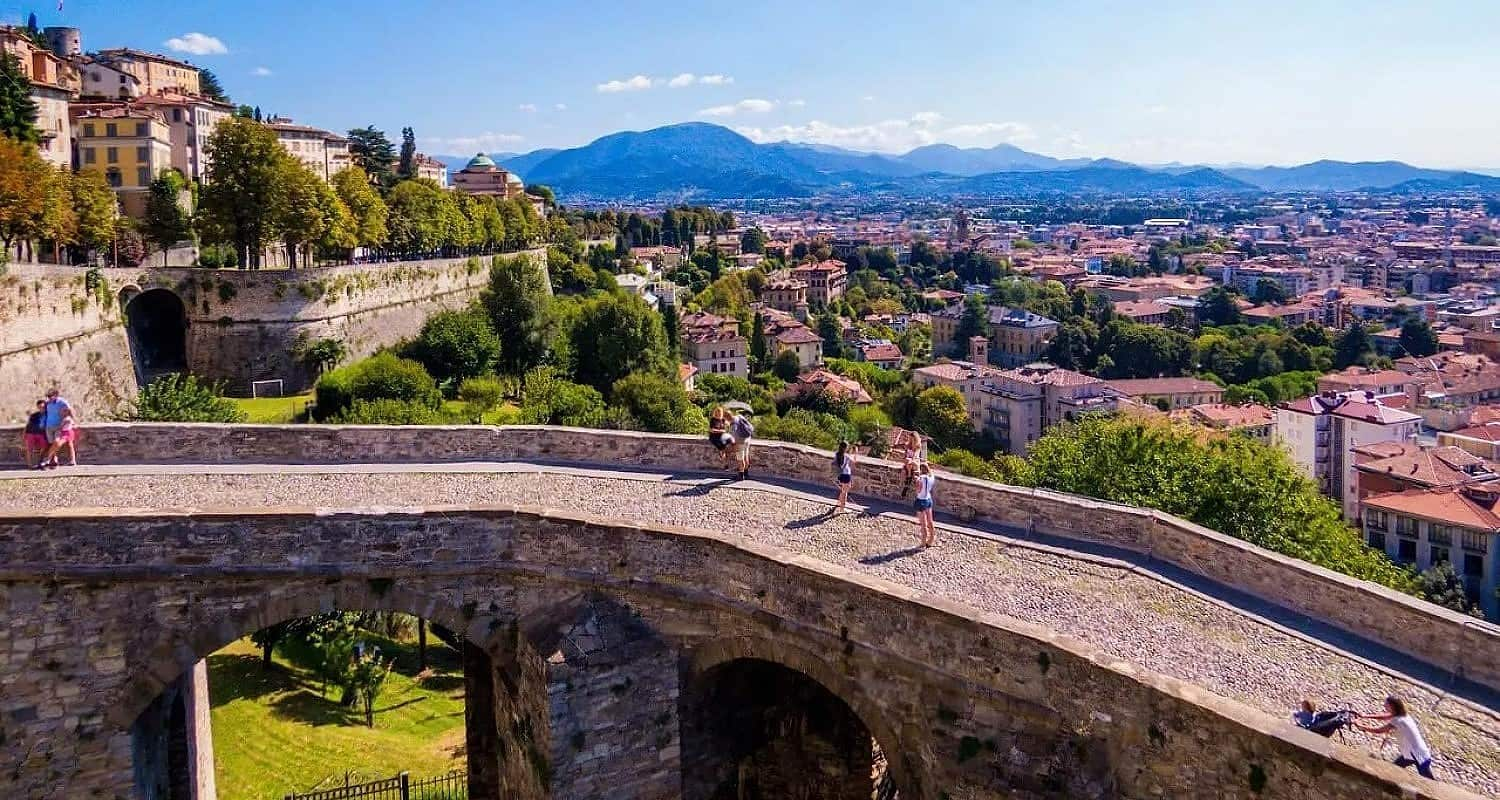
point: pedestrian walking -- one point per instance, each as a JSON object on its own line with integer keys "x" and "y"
{"x": 1412, "y": 749}
{"x": 843, "y": 463}
{"x": 925, "y": 481}
{"x": 67, "y": 434}
{"x": 53, "y": 423}
{"x": 742, "y": 429}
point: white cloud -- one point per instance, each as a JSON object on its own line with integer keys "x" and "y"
{"x": 197, "y": 44}
{"x": 751, "y": 105}
{"x": 798, "y": 103}
{"x": 869, "y": 98}
{"x": 561, "y": 107}
{"x": 633, "y": 84}
{"x": 685, "y": 79}
{"x": 527, "y": 108}
{"x": 487, "y": 141}
{"x": 1157, "y": 109}
{"x": 261, "y": 72}
{"x": 716, "y": 80}
{"x": 893, "y": 135}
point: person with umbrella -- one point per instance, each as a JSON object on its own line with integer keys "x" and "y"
{"x": 742, "y": 429}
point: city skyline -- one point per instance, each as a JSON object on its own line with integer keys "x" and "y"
{"x": 1277, "y": 84}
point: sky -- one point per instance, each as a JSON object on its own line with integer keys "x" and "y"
{"x": 1264, "y": 82}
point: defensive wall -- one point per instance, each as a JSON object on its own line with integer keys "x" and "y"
{"x": 99, "y": 337}
{"x": 1461, "y": 645}
{"x": 103, "y": 612}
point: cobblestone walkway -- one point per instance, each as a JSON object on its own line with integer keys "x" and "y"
{"x": 1134, "y": 616}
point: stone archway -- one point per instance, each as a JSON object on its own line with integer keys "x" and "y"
{"x": 764, "y": 720}
{"x": 156, "y": 326}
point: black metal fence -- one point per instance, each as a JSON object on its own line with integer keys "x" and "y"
{"x": 453, "y": 786}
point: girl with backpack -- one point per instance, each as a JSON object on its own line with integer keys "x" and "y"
{"x": 923, "y": 505}
{"x": 743, "y": 429}
{"x": 843, "y": 463}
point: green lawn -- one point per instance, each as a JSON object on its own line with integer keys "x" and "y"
{"x": 273, "y": 410}
{"x": 500, "y": 415}
{"x": 275, "y": 732}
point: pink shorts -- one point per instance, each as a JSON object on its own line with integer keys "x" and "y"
{"x": 69, "y": 436}
{"x": 36, "y": 441}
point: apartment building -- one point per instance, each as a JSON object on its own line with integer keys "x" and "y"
{"x": 825, "y": 280}
{"x": 1169, "y": 394}
{"x": 1251, "y": 419}
{"x": 1018, "y": 405}
{"x": 130, "y": 146}
{"x": 191, "y": 121}
{"x": 1458, "y": 525}
{"x": 968, "y": 377}
{"x": 324, "y": 152}
{"x": 429, "y": 168}
{"x": 1016, "y": 336}
{"x": 153, "y": 72}
{"x": 714, "y": 344}
{"x": 785, "y": 333}
{"x": 786, "y": 294}
{"x": 1321, "y": 433}
{"x": 1294, "y": 281}
{"x": 54, "y": 82}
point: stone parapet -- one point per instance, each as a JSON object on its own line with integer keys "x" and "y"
{"x": 1466, "y": 647}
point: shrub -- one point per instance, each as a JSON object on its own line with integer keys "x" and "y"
{"x": 658, "y": 403}
{"x": 482, "y": 395}
{"x": 549, "y": 400}
{"x": 182, "y": 398}
{"x": 386, "y": 377}
{"x": 806, "y": 427}
{"x": 386, "y": 411}
{"x": 455, "y": 345}
{"x": 334, "y": 393}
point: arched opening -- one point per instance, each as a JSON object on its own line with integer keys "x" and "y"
{"x": 334, "y": 701}
{"x": 156, "y": 325}
{"x": 757, "y": 730}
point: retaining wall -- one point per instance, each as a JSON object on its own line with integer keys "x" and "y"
{"x": 1446, "y": 639}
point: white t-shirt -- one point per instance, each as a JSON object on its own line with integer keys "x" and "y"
{"x": 924, "y": 486}
{"x": 1413, "y": 746}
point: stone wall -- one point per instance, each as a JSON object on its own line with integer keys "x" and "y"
{"x": 1467, "y": 647}
{"x": 100, "y": 612}
{"x": 242, "y": 326}
{"x": 56, "y": 331}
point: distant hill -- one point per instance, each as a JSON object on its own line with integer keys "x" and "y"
{"x": 698, "y": 160}
{"x": 1344, "y": 176}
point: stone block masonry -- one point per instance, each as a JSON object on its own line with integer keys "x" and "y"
{"x": 101, "y": 612}
{"x": 1453, "y": 642}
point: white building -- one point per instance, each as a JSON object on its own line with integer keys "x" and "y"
{"x": 1321, "y": 431}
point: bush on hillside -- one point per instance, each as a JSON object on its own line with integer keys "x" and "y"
{"x": 183, "y": 398}
{"x": 1229, "y": 483}
{"x": 455, "y": 345}
{"x": 380, "y": 377}
{"x": 550, "y": 400}
{"x": 658, "y": 403}
{"x": 386, "y": 411}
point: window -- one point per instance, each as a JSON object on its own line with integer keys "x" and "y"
{"x": 111, "y": 130}
{"x": 1376, "y": 540}
{"x": 143, "y": 154}
{"x": 140, "y": 129}
{"x": 1472, "y": 540}
{"x": 112, "y": 175}
{"x": 1406, "y": 551}
{"x": 176, "y": 115}
{"x": 1437, "y": 555}
{"x": 112, "y": 155}
{"x": 1440, "y": 534}
{"x": 88, "y": 155}
{"x": 1473, "y": 566}
{"x": 88, "y": 129}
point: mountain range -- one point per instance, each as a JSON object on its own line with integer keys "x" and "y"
{"x": 702, "y": 161}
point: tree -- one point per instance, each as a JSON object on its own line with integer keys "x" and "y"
{"x": 1269, "y": 291}
{"x": 365, "y": 205}
{"x": 669, "y": 325}
{"x": 420, "y": 216}
{"x": 374, "y": 154}
{"x": 59, "y": 222}
{"x": 1231, "y": 484}
{"x": 550, "y": 400}
{"x": 786, "y": 366}
{"x": 182, "y": 398}
{"x": 23, "y": 192}
{"x": 753, "y": 241}
{"x": 516, "y": 301}
{"x": 297, "y": 213}
{"x": 1441, "y": 584}
{"x": 454, "y": 345}
{"x": 209, "y": 86}
{"x": 366, "y": 679}
{"x": 340, "y": 231}
{"x": 130, "y": 248}
{"x": 408, "y": 165}
{"x": 1145, "y": 351}
{"x": 832, "y": 333}
{"x": 658, "y": 403}
{"x": 974, "y": 322}
{"x": 616, "y": 335}
{"x": 18, "y": 110}
{"x": 1418, "y": 338}
{"x": 95, "y": 207}
{"x": 167, "y": 222}
{"x": 1353, "y": 346}
{"x": 758, "y": 343}
{"x": 942, "y": 414}
{"x": 1217, "y": 307}
{"x": 239, "y": 199}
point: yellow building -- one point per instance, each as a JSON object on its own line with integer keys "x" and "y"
{"x": 130, "y": 146}
{"x": 156, "y": 73}
{"x": 192, "y": 121}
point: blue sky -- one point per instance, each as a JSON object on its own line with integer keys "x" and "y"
{"x": 1259, "y": 82}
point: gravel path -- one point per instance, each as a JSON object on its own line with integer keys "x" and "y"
{"x": 1129, "y": 615}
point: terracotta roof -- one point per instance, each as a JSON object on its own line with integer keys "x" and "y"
{"x": 1042, "y": 373}
{"x": 1140, "y": 387}
{"x": 881, "y": 352}
{"x": 1449, "y": 505}
{"x": 1488, "y": 432}
{"x": 832, "y": 383}
{"x": 797, "y": 335}
{"x": 957, "y": 371}
{"x": 1437, "y": 466}
{"x": 1135, "y": 309}
{"x": 1342, "y": 405}
{"x": 1224, "y": 415}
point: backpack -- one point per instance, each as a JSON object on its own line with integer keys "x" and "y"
{"x": 743, "y": 429}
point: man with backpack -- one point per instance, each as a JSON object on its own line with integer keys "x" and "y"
{"x": 742, "y": 429}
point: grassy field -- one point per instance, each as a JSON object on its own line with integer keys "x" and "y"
{"x": 275, "y": 732}
{"x": 273, "y": 410}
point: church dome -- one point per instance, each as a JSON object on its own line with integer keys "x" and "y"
{"x": 480, "y": 161}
